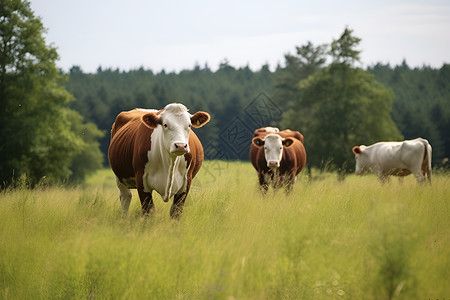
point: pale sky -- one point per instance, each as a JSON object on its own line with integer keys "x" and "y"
{"x": 176, "y": 35}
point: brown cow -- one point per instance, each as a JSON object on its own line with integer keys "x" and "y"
{"x": 277, "y": 157}
{"x": 156, "y": 150}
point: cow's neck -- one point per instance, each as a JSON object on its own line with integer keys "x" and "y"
{"x": 170, "y": 179}
{"x": 164, "y": 172}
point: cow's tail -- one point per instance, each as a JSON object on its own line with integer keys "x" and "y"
{"x": 427, "y": 156}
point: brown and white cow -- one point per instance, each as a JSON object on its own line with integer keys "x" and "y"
{"x": 277, "y": 157}
{"x": 395, "y": 158}
{"x": 156, "y": 150}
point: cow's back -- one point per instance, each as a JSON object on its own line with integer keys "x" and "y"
{"x": 294, "y": 158}
{"x": 126, "y": 130}
{"x": 263, "y": 132}
{"x": 293, "y": 134}
{"x": 124, "y": 118}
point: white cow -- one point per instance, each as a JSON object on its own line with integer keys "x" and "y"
{"x": 395, "y": 158}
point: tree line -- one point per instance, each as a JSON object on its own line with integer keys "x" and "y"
{"x": 335, "y": 105}
{"x": 57, "y": 125}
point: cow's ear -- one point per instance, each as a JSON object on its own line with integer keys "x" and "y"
{"x": 151, "y": 120}
{"x": 287, "y": 142}
{"x": 258, "y": 142}
{"x": 199, "y": 119}
{"x": 357, "y": 150}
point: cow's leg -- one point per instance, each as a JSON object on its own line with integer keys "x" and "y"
{"x": 290, "y": 182}
{"x": 262, "y": 183}
{"x": 146, "y": 197}
{"x": 428, "y": 175}
{"x": 419, "y": 176}
{"x": 279, "y": 180}
{"x": 146, "y": 202}
{"x": 383, "y": 177}
{"x": 178, "y": 201}
{"x": 125, "y": 196}
{"x": 177, "y": 206}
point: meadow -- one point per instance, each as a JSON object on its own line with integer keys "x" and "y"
{"x": 328, "y": 239}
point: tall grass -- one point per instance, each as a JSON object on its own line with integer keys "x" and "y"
{"x": 355, "y": 239}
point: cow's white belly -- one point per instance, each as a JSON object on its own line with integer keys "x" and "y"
{"x": 392, "y": 165}
{"x": 167, "y": 177}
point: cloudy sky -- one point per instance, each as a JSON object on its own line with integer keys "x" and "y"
{"x": 176, "y": 35}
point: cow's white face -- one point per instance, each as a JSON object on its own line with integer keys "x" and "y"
{"x": 176, "y": 126}
{"x": 273, "y": 148}
{"x": 176, "y": 123}
{"x": 363, "y": 163}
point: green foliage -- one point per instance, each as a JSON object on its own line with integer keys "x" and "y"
{"x": 90, "y": 158}
{"x": 340, "y": 106}
{"x": 308, "y": 60}
{"x": 36, "y": 129}
{"x": 343, "y": 49}
{"x": 355, "y": 239}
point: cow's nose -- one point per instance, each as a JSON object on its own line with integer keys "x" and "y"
{"x": 273, "y": 164}
{"x": 180, "y": 148}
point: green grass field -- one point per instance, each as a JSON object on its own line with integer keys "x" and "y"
{"x": 354, "y": 239}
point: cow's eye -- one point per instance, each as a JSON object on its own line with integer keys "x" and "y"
{"x": 190, "y": 125}
{"x": 165, "y": 125}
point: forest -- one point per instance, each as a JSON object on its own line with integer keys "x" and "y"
{"x": 57, "y": 124}
{"x": 241, "y": 100}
